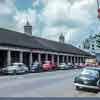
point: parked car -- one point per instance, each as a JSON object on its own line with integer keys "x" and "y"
{"x": 70, "y": 65}
{"x": 82, "y": 65}
{"x": 48, "y": 66}
{"x": 88, "y": 78}
{"x": 76, "y": 65}
{"x": 63, "y": 66}
{"x": 15, "y": 68}
{"x": 36, "y": 67}
{"x": 79, "y": 65}
{"x": 54, "y": 66}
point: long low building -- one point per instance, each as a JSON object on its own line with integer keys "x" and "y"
{"x": 23, "y": 47}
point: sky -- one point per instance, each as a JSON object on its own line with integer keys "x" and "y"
{"x": 76, "y": 19}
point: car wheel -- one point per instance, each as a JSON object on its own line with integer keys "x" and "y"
{"x": 26, "y": 71}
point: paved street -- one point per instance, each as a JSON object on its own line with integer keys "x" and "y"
{"x": 46, "y": 84}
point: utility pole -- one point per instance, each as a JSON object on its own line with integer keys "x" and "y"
{"x": 98, "y": 9}
{"x": 98, "y": 3}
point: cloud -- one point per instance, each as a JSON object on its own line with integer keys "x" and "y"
{"x": 56, "y": 11}
{"x": 21, "y": 17}
{"x": 6, "y": 13}
{"x": 77, "y": 17}
{"x": 7, "y": 7}
{"x": 74, "y": 18}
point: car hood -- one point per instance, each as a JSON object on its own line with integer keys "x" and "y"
{"x": 87, "y": 77}
{"x": 10, "y": 68}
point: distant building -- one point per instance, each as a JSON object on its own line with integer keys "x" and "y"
{"x": 28, "y": 28}
{"x": 16, "y": 47}
{"x": 61, "y": 38}
{"x": 89, "y": 45}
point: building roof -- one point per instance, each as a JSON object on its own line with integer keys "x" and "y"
{"x": 16, "y": 39}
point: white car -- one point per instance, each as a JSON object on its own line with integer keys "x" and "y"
{"x": 63, "y": 66}
{"x": 15, "y": 68}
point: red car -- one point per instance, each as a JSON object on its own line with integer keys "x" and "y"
{"x": 48, "y": 66}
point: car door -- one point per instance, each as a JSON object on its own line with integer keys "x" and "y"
{"x": 25, "y": 68}
{"x": 21, "y": 68}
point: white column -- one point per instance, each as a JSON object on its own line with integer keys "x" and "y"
{"x": 52, "y": 58}
{"x": 57, "y": 60}
{"x": 21, "y": 57}
{"x": 74, "y": 59}
{"x": 68, "y": 59}
{"x": 80, "y": 59}
{"x": 30, "y": 59}
{"x": 9, "y": 57}
{"x": 46, "y": 57}
{"x": 71, "y": 59}
{"x": 77, "y": 59}
{"x": 63, "y": 59}
{"x": 39, "y": 58}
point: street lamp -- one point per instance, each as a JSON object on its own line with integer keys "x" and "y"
{"x": 98, "y": 9}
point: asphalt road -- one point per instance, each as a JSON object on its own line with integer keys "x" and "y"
{"x": 45, "y": 84}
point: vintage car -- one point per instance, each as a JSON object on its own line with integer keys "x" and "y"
{"x": 48, "y": 65}
{"x": 15, "y": 68}
{"x": 36, "y": 67}
{"x": 88, "y": 78}
{"x": 64, "y": 66}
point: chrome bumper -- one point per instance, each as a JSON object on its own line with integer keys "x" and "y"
{"x": 87, "y": 86}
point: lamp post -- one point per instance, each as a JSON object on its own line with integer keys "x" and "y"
{"x": 98, "y": 9}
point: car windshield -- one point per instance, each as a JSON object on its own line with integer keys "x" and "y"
{"x": 90, "y": 72}
{"x": 15, "y": 64}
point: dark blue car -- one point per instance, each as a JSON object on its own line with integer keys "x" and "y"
{"x": 36, "y": 67}
{"x": 88, "y": 78}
